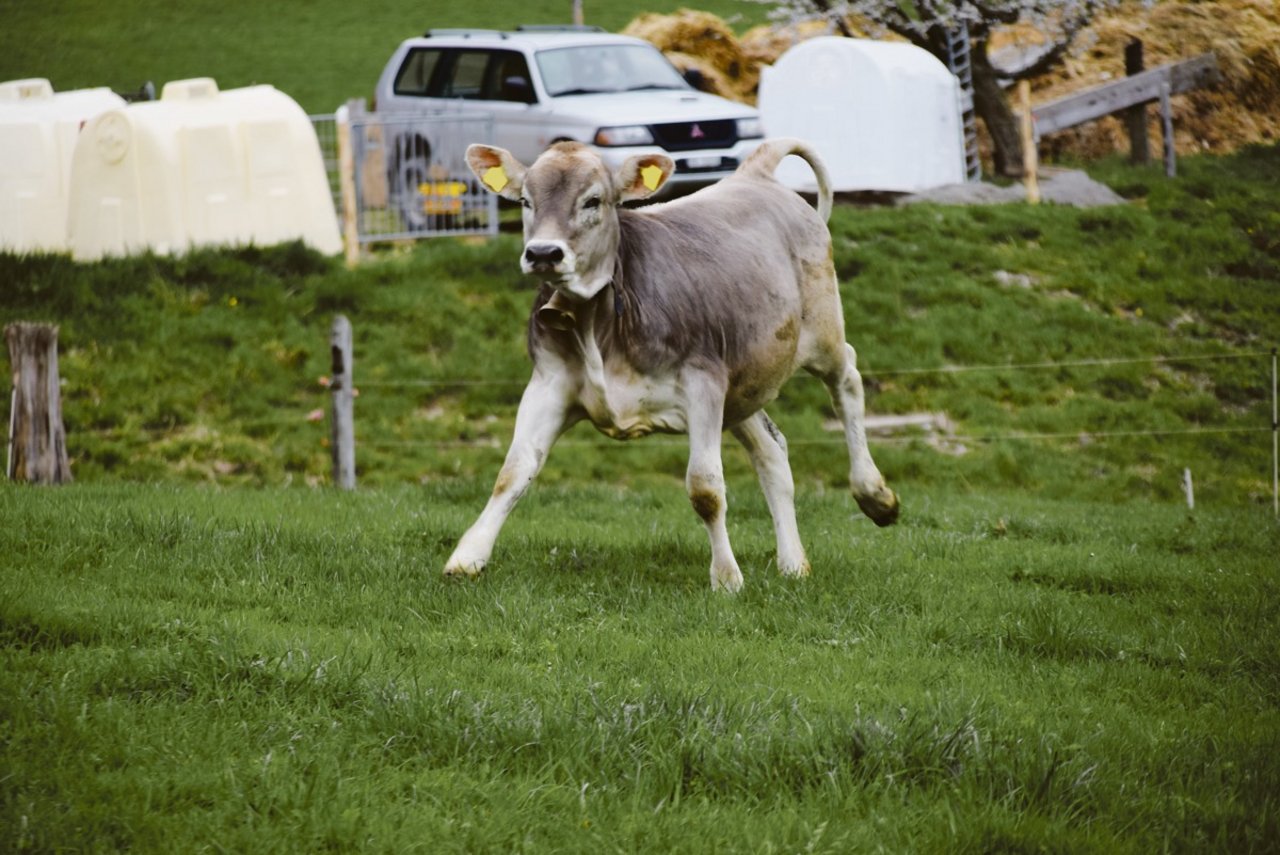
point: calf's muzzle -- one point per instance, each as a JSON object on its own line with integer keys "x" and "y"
{"x": 543, "y": 255}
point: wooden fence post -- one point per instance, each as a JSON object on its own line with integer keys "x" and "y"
{"x": 1275, "y": 437}
{"x": 1135, "y": 117}
{"x": 37, "y": 436}
{"x": 1030, "y": 156}
{"x": 347, "y": 183}
{"x": 343, "y": 439}
{"x": 1166, "y": 119}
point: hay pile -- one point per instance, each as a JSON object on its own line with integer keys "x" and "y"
{"x": 1243, "y": 108}
{"x": 704, "y": 42}
{"x": 1244, "y": 35}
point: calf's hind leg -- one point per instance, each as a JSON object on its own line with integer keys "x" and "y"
{"x": 840, "y": 374}
{"x": 767, "y": 449}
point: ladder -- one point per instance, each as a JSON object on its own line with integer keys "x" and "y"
{"x": 958, "y": 62}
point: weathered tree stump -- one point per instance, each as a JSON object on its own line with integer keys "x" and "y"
{"x": 37, "y": 437}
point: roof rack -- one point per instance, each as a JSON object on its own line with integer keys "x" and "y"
{"x": 559, "y": 28}
{"x": 465, "y": 32}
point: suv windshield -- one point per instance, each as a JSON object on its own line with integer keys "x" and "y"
{"x": 606, "y": 68}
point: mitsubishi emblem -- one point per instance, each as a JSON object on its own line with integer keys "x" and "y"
{"x": 696, "y": 132}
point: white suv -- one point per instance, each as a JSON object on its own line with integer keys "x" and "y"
{"x": 542, "y": 85}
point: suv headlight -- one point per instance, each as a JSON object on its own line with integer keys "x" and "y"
{"x": 750, "y": 128}
{"x": 626, "y": 135}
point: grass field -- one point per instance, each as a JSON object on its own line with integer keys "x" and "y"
{"x": 251, "y": 671}
{"x": 1049, "y": 653}
{"x": 321, "y": 52}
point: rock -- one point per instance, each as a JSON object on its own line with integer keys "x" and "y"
{"x": 1059, "y": 186}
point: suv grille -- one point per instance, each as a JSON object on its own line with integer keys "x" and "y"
{"x": 684, "y": 136}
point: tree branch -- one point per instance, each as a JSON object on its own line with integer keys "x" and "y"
{"x": 1051, "y": 57}
{"x": 1000, "y": 13}
{"x": 824, "y": 7}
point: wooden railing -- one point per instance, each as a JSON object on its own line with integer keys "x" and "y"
{"x": 1156, "y": 85}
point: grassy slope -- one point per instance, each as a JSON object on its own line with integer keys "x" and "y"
{"x": 206, "y": 367}
{"x": 321, "y": 52}
{"x": 285, "y": 671}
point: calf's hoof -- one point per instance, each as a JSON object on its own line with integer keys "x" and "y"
{"x": 728, "y": 581}
{"x": 463, "y": 569}
{"x": 881, "y": 506}
{"x": 795, "y": 571}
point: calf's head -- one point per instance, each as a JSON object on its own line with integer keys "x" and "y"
{"x": 570, "y": 201}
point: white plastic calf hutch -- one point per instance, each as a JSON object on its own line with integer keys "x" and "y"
{"x": 38, "y": 130}
{"x": 884, "y": 116}
{"x": 200, "y": 167}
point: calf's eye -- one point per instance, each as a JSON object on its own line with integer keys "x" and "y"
{"x": 593, "y": 202}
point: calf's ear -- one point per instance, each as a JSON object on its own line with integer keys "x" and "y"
{"x": 497, "y": 170}
{"x": 641, "y": 175}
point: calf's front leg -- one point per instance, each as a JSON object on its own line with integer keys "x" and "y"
{"x": 705, "y": 476}
{"x": 540, "y": 419}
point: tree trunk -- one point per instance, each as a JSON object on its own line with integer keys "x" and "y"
{"x": 37, "y": 438}
{"x": 993, "y": 108}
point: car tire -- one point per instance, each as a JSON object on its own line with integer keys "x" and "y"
{"x": 410, "y": 170}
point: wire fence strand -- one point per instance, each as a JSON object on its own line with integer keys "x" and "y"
{"x": 428, "y": 382}
{"x": 1076, "y": 363}
{"x": 1082, "y": 436}
{"x": 441, "y": 381}
{"x": 926, "y": 433}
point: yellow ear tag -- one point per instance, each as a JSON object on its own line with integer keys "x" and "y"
{"x": 495, "y": 178}
{"x": 652, "y": 176}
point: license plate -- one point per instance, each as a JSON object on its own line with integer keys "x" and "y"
{"x": 706, "y": 162}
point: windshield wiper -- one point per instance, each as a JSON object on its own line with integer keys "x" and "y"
{"x": 655, "y": 86}
{"x": 583, "y": 91}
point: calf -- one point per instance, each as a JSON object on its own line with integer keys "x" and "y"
{"x": 685, "y": 317}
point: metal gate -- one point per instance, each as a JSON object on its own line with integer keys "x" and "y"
{"x": 410, "y": 176}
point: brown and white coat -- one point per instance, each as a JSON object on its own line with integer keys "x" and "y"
{"x": 683, "y": 317}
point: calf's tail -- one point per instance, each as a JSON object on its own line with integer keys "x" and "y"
{"x": 765, "y": 159}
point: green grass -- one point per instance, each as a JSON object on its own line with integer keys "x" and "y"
{"x": 254, "y": 671}
{"x": 1049, "y": 653}
{"x": 321, "y": 52}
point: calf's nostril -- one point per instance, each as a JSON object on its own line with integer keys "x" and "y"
{"x": 543, "y": 254}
